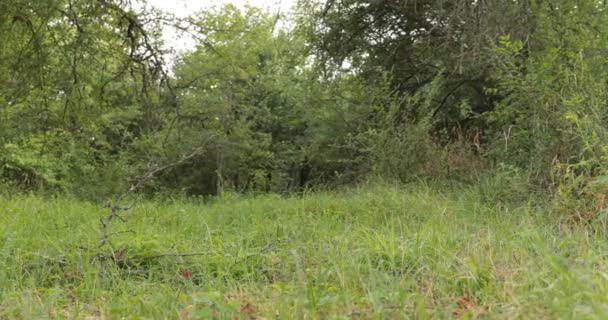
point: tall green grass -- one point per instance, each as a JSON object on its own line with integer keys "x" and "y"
{"x": 376, "y": 252}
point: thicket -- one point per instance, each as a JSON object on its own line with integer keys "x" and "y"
{"x": 345, "y": 91}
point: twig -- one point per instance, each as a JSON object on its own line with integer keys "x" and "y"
{"x": 116, "y": 208}
{"x": 121, "y": 232}
{"x": 162, "y": 255}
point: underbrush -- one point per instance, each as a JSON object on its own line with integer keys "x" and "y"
{"x": 377, "y": 251}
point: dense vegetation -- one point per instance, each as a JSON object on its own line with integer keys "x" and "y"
{"x": 350, "y": 89}
{"x": 501, "y": 106}
{"x": 371, "y": 253}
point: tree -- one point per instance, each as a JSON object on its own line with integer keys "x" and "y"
{"x": 80, "y": 78}
{"x": 440, "y": 49}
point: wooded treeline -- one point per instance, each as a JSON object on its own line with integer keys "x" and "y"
{"x": 351, "y": 89}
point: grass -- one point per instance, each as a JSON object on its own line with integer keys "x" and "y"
{"x": 377, "y": 252}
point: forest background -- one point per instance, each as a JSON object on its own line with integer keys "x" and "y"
{"x": 345, "y": 91}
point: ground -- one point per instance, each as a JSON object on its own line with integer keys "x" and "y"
{"x": 373, "y": 252}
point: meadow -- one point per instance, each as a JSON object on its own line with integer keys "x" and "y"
{"x": 372, "y": 252}
{"x": 343, "y": 159}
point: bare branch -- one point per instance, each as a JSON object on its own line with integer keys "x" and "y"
{"x": 116, "y": 208}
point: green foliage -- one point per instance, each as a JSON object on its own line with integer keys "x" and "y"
{"x": 239, "y": 100}
{"x": 380, "y": 251}
{"x": 74, "y": 92}
{"x": 552, "y": 117}
{"x": 500, "y": 106}
{"x": 353, "y": 89}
